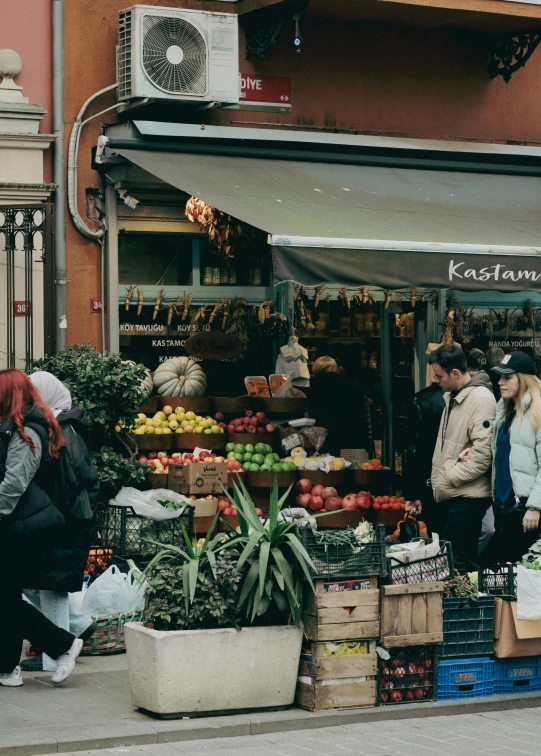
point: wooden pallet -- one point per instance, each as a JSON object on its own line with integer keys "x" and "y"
{"x": 411, "y": 615}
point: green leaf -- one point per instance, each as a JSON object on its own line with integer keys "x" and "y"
{"x": 249, "y": 582}
{"x": 193, "y": 570}
{"x": 278, "y": 577}
{"x": 253, "y": 540}
{"x": 284, "y": 568}
{"x": 302, "y": 557}
{"x": 263, "y": 563}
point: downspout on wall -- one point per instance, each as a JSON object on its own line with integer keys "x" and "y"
{"x": 59, "y": 178}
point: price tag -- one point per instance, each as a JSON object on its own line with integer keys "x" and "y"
{"x": 95, "y": 305}
{"x": 291, "y": 441}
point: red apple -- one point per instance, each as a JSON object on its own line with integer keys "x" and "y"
{"x": 251, "y": 421}
{"x": 238, "y": 421}
{"x": 329, "y": 491}
{"x": 303, "y": 500}
{"x": 261, "y": 417}
{"x": 269, "y": 428}
{"x": 248, "y": 413}
{"x": 231, "y": 428}
{"x": 229, "y": 511}
{"x": 241, "y": 429}
{"x": 333, "y": 503}
{"x": 316, "y": 502}
{"x": 162, "y": 454}
{"x": 349, "y": 503}
{"x": 251, "y": 429}
{"x": 317, "y": 490}
{"x": 396, "y": 695}
{"x": 223, "y": 426}
{"x": 142, "y": 459}
{"x": 304, "y": 485}
{"x": 219, "y": 417}
{"x": 231, "y": 464}
{"x": 208, "y": 459}
{"x": 219, "y": 459}
{"x": 152, "y": 455}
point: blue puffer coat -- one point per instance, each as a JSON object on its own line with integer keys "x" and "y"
{"x": 525, "y": 459}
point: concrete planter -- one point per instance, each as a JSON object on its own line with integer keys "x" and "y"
{"x": 191, "y": 672}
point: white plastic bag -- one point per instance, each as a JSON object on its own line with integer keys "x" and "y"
{"x": 528, "y": 593}
{"x": 146, "y": 503}
{"x": 114, "y": 592}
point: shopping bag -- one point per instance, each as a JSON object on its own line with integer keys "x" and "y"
{"x": 147, "y": 503}
{"x": 114, "y": 592}
{"x": 528, "y": 593}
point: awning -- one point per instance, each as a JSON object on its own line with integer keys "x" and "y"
{"x": 356, "y": 225}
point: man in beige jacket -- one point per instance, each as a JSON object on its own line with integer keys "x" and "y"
{"x": 462, "y": 489}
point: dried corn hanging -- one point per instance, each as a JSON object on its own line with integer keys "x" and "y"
{"x": 187, "y": 302}
{"x": 157, "y": 305}
{"x": 141, "y": 299}
{"x": 227, "y": 304}
{"x": 130, "y": 291}
{"x": 413, "y": 296}
{"x": 200, "y": 314}
{"x": 320, "y": 288}
{"x": 217, "y": 307}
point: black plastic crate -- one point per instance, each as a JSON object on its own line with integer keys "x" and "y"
{"x": 344, "y": 561}
{"x": 429, "y": 570}
{"x": 468, "y": 626}
{"x": 498, "y": 580}
{"x": 130, "y": 535}
{"x": 409, "y": 676}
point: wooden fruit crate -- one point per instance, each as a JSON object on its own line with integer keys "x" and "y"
{"x": 342, "y": 610}
{"x": 318, "y": 696}
{"x": 411, "y": 614}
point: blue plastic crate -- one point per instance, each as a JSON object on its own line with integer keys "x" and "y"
{"x": 465, "y": 678}
{"x": 517, "y": 675}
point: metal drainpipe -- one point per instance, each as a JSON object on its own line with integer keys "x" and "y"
{"x": 59, "y": 178}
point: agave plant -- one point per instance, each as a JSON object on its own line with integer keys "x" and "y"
{"x": 273, "y": 554}
{"x": 195, "y": 558}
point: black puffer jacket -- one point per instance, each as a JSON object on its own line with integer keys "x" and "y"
{"x": 61, "y": 500}
{"x": 424, "y": 427}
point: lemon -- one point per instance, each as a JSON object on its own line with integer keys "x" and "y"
{"x": 150, "y": 429}
{"x": 141, "y": 416}
{"x": 339, "y": 464}
{"x": 166, "y": 430}
{"x": 179, "y": 430}
{"x": 198, "y": 429}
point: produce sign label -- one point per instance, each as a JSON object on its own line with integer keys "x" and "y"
{"x": 292, "y": 441}
{"x": 198, "y": 478}
{"x": 347, "y": 585}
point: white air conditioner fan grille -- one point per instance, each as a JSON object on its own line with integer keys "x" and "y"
{"x": 174, "y": 55}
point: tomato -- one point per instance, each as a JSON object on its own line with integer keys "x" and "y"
{"x": 396, "y": 505}
{"x": 385, "y": 505}
{"x": 376, "y": 505}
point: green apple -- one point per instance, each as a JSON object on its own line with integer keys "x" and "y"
{"x": 239, "y": 457}
{"x": 261, "y": 448}
{"x": 278, "y": 467}
{"x": 268, "y": 448}
{"x": 258, "y": 459}
{"x": 248, "y": 456}
{"x": 266, "y": 468}
{"x": 250, "y": 448}
{"x": 240, "y": 448}
{"x": 230, "y": 454}
{"x": 247, "y": 467}
{"x": 253, "y": 467}
{"x": 229, "y": 447}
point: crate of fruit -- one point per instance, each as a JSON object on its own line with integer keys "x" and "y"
{"x": 432, "y": 562}
{"x": 465, "y": 678}
{"x": 337, "y": 675}
{"x": 409, "y": 675}
{"x": 346, "y": 553}
{"x": 342, "y": 610}
{"x": 132, "y": 536}
{"x": 468, "y": 626}
{"x": 517, "y": 675}
{"x": 498, "y": 580}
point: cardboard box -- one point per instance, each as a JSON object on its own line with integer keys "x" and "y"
{"x": 198, "y": 478}
{"x": 206, "y": 507}
{"x": 515, "y": 637}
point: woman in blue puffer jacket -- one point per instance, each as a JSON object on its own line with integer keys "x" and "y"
{"x": 516, "y": 467}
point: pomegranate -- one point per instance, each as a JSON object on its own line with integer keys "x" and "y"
{"x": 303, "y": 500}
{"x": 349, "y": 503}
{"x": 252, "y": 429}
{"x": 419, "y": 693}
{"x": 248, "y": 413}
{"x": 316, "y": 502}
{"x": 364, "y": 501}
{"x": 238, "y": 421}
{"x": 219, "y": 417}
{"x": 333, "y": 503}
{"x": 261, "y": 417}
{"x": 396, "y": 696}
{"x": 328, "y": 492}
{"x": 304, "y": 485}
{"x": 251, "y": 421}
{"x": 317, "y": 490}
{"x": 241, "y": 428}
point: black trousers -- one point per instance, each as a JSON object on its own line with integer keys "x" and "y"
{"x": 22, "y": 621}
{"x": 463, "y": 519}
{"x": 509, "y": 542}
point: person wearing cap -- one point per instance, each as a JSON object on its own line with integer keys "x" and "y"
{"x": 516, "y": 472}
{"x": 461, "y": 489}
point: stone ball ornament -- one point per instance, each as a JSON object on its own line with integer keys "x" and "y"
{"x": 10, "y": 64}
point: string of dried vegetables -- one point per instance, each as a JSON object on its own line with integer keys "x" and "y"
{"x": 158, "y": 303}
{"x": 130, "y": 291}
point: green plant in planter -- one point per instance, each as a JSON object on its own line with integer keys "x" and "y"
{"x": 115, "y": 470}
{"x": 274, "y": 561}
{"x": 215, "y": 603}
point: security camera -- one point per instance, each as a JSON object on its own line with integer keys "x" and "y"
{"x": 127, "y": 199}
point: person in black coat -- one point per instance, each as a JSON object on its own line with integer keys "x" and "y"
{"x": 425, "y": 419}
{"x": 338, "y": 405}
{"x": 32, "y": 517}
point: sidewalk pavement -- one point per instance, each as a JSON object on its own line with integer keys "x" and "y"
{"x": 93, "y": 710}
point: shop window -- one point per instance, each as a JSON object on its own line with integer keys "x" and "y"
{"x": 154, "y": 259}
{"x": 247, "y": 267}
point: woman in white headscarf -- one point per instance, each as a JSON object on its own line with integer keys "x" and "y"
{"x": 83, "y": 484}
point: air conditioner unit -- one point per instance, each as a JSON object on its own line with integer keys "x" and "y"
{"x": 182, "y": 55}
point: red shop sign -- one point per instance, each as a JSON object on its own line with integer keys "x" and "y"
{"x": 21, "y": 308}
{"x": 259, "y": 92}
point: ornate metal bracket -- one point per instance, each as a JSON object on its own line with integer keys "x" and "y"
{"x": 512, "y": 52}
{"x": 263, "y": 28}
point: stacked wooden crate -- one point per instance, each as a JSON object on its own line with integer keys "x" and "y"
{"x": 339, "y": 663}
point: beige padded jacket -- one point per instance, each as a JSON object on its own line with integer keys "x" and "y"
{"x": 467, "y": 421}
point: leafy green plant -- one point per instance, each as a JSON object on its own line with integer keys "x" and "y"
{"x": 115, "y": 471}
{"x": 103, "y": 384}
{"x": 214, "y": 604}
{"x": 275, "y": 562}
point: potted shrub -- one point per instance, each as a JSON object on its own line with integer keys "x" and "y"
{"x": 222, "y": 630}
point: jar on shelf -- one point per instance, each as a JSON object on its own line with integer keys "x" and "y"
{"x": 224, "y": 276}
{"x": 216, "y": 276}
{"x": 207, "y": 276}
{"x": 257, "y": 277}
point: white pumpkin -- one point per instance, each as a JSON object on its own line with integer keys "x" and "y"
{"x": 180, "y": 376}
{"x": 146, "y": 384}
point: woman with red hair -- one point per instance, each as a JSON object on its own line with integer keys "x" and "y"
{"x": 31, "y": 520}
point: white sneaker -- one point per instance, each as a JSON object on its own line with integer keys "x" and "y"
{"x": 66, "y": 663}
{"x": 12, "y": 679}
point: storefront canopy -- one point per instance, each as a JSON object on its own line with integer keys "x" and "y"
{"x": 355, "y": 225}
